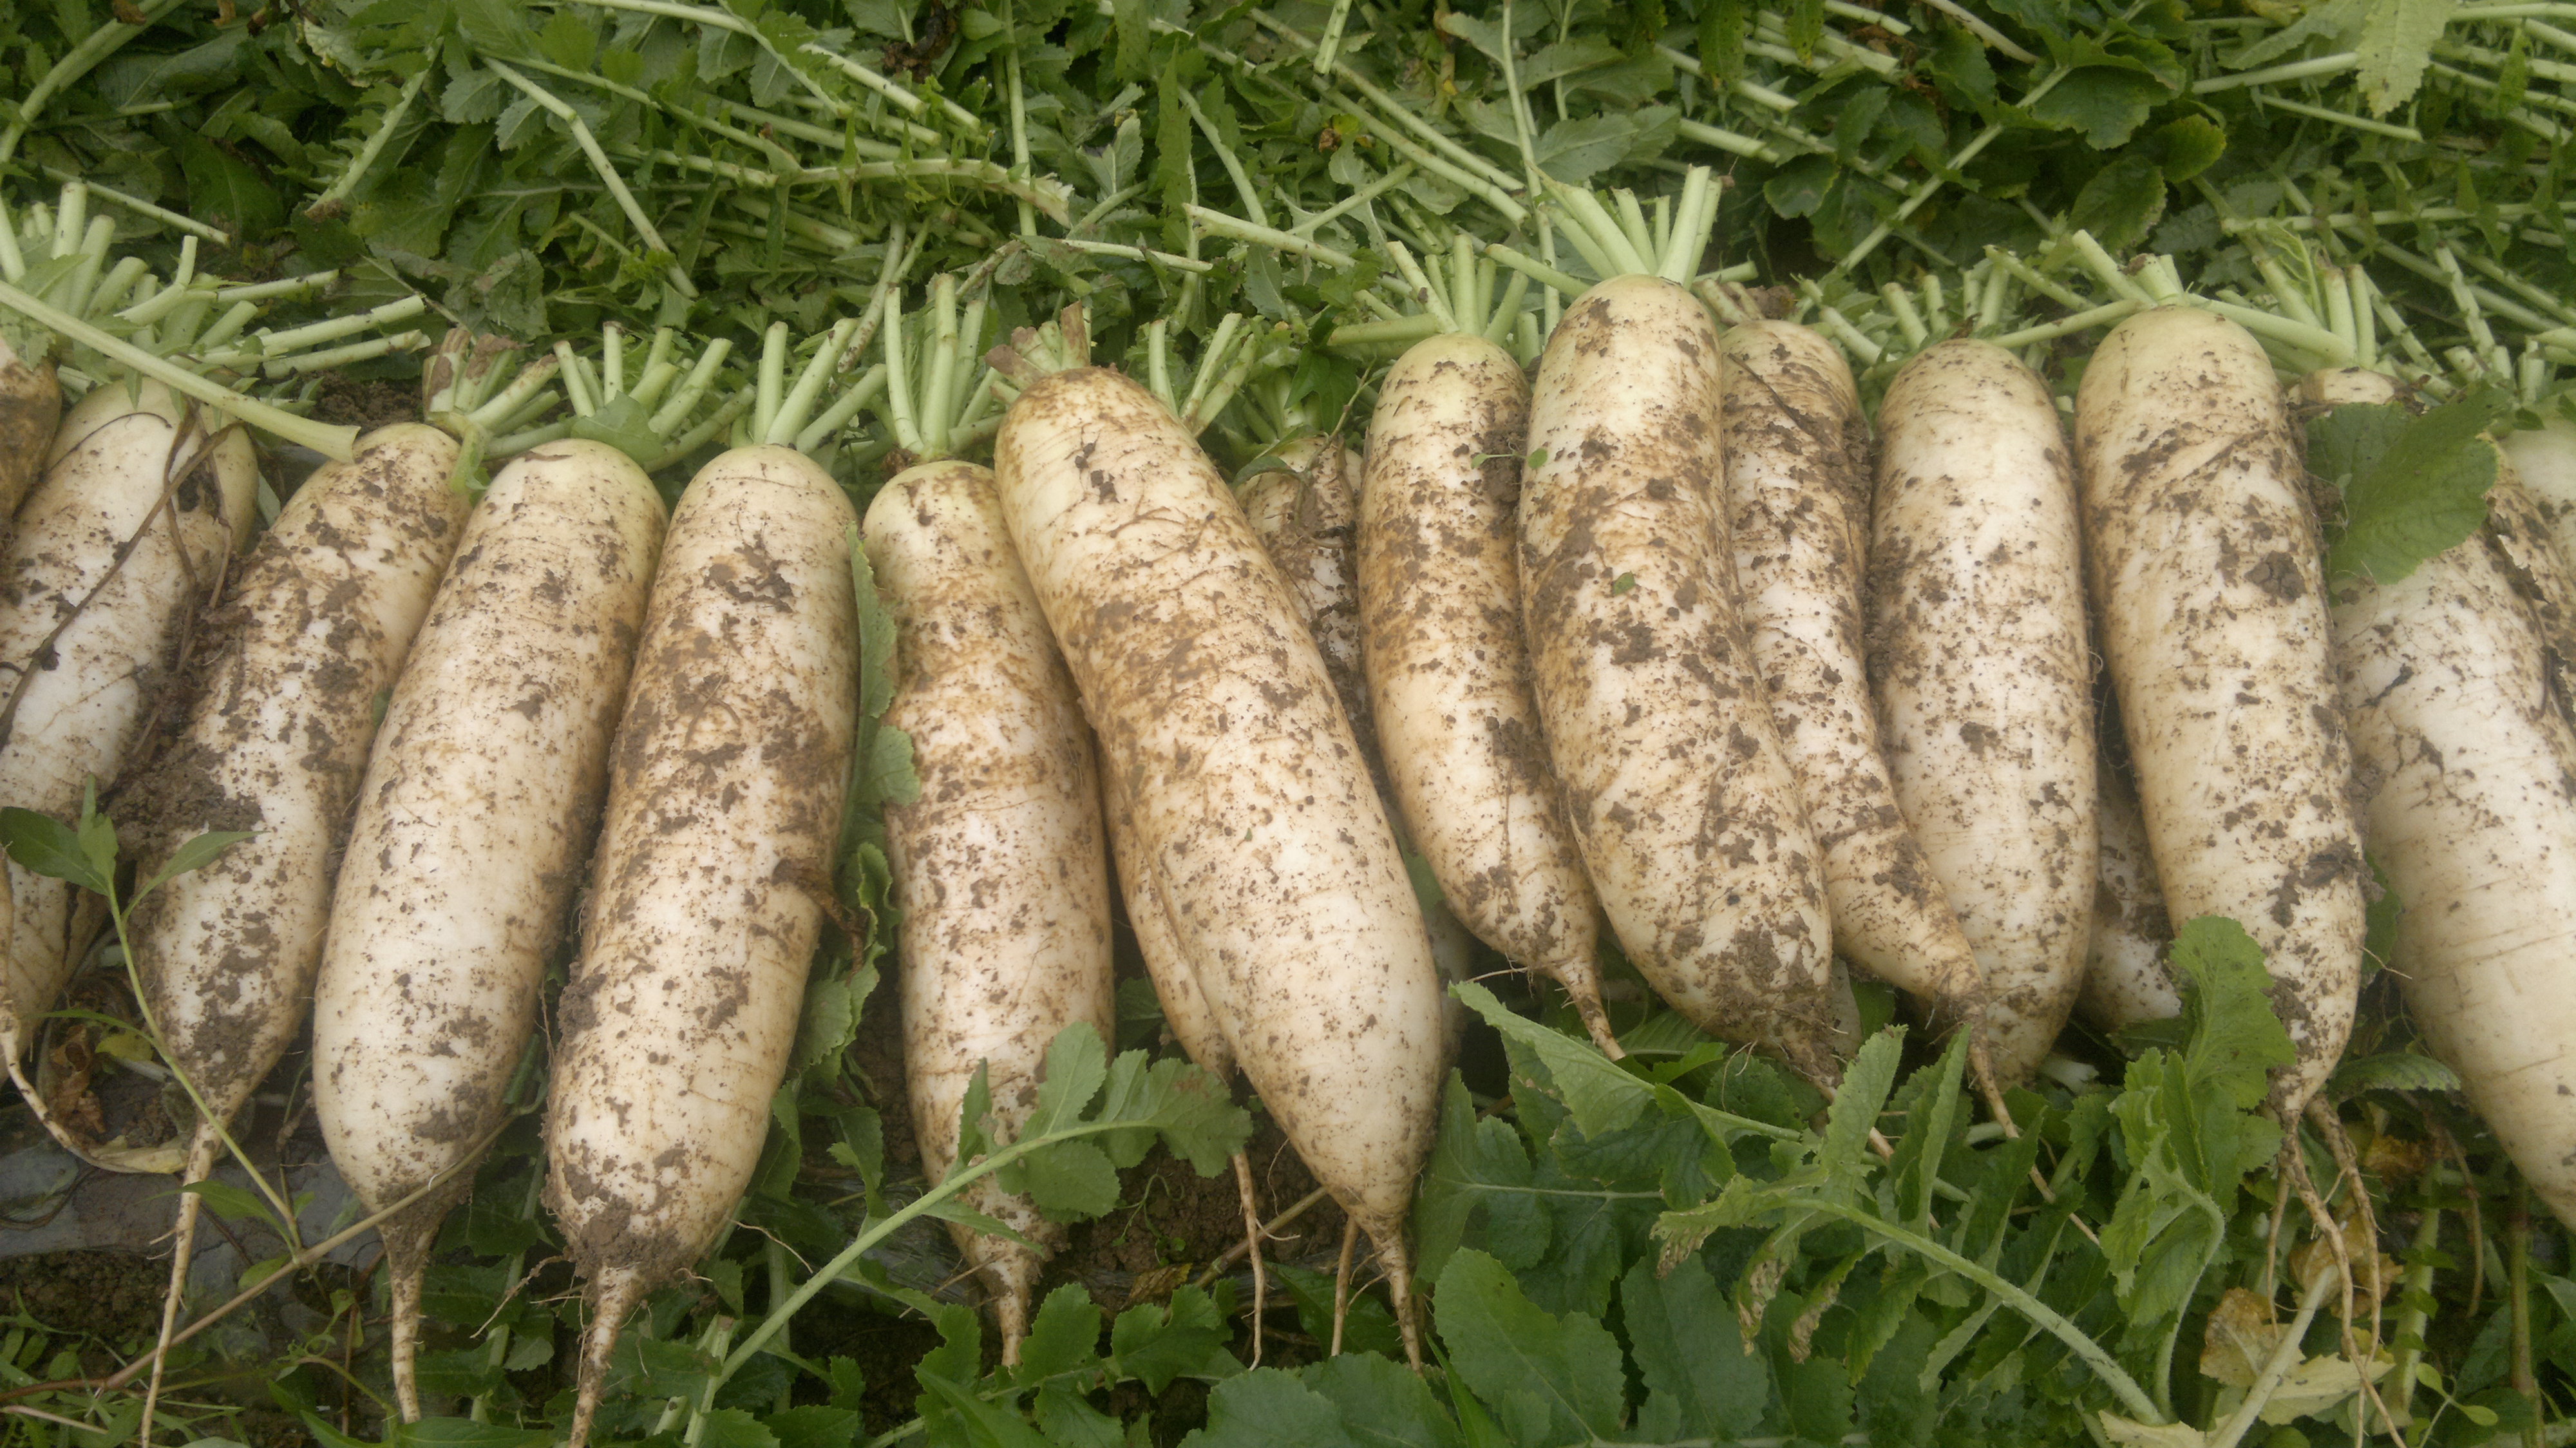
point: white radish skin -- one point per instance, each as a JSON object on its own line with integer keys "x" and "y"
{"x": 1305, "y": 509}
{"x": 2473, "y": 818}
{"x": 276, "y": 741}
{"x": 724, "y": 802}
{"x": 1798, "y": 491}
{"x": 2125, "y": 979}
{"x": 472, "y": 828}
{"x": 1655, "y": 713}
{"x": 2521, "y": 540}
{"x": 113, "y": 634}
{"x": 1448, "y": 670}
{"x": 1186, "y": 1010}
{"x": 1984, "y": 682}
{"x": 999, "y": 866}
{"x": 2545, "y": 459}
{"x": 2204, "y": 559}
{"x": 1218, "y": 722}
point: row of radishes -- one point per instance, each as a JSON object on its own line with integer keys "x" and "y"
{"x": 1614, "y": 640}
{"x": 1659, "y": 643}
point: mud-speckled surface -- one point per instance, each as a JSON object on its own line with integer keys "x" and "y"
{"x": 275, "y": 740}
{"x": 1000, "y": 866}
{"x": 2205, "y": 565}
{"x": 1978, "y": 655}
{"x": 2520, "y": 539}
{"x": 1448, "y": 664}
{"x": 2470, "y": 777}
{"x": 88, "y": 646}
{"x": 1219, "y": 724}
{"x": 31, "y": 404}
{"x": 714, "y": 859}
{"x": 1657, "y": 720}
{"x": 2545, "y": 459}
{"x": 473, "y": 827}
{"x": 1798, "y": 487}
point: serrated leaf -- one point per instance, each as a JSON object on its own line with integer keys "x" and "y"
{"x": 2412, "y": 487}
{"x": 2396, "y": 44}
{"x": 1186, "y": 1336}
{"x": 1068, "y": 1180}
{"x": 2122, "y": 203}
{"x": 2106, "y": 104}
{"x": 814, "y": 1427}
{"x": 1690, "y": 1352}
{"x": 1383, "y": 1404}
{"x": 985, "y": 1424}
{"x": 1368, "y": 1326}
{"x": 1269, "y": 1408}
{"x": 1547, "y": 1379}
{"x": 732, "y": 1428}
{"x": 1798, "y": 188}
{"x": 1601, "y": 1096}
{"x": 2235, "y": 1038}
{"x": 2189, "y": 146}
{"x": 1475, "y": 1164}
{"x": 1064, "y": 1336}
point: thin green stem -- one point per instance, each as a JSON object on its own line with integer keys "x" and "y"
{"x": 599, "y": 161}
{"x": 337, "y": 443}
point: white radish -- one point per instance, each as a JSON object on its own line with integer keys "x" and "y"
{"x": 2526, "y": 546}
{"x": 472, "y": 830}
{"x": 1186, "y": 1011}
{"x": 126, "y": 539}
{"x": 1655, "y": 713}
{"x": 1218, "y": 723}
{"x": 724, "y": 803}
{"x": 1798, "y": 489}
{"x": 275, "y": 742}
{"x": 999, "y": 865}
{"x": 1977, "y": 651}
{"x": 2205, "y": 564}
{"x": 2545, "y": 459}
{"x": 1448, "y": 668}
{"x": 2466, "y": 768}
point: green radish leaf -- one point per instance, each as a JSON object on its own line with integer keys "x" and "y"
{"x": 49, "y": 847}
{"x": 196, "y": 854}
{"x": 1077, "y": 1065}
{"x": 1184, "y": 1337}
{"x": 1069, "y": 1421}
{"x": 2391, "y": 1071}
{"x": 1724, "y": 26}
{"x": 2188, "y": 146}
{"x": 815, "y": 1427}
{"x": 2412, "y": 486}
{"x": 1600, "y": 1096}
{"x": 232, "y": 1203}
{"x": 1476, "y": 1165}
{"x": 1547, "y": 1378}
{"x": 2396, "y": 44}
{"x": 1381, "y": 1401}
{"x": 2227, "y": 1005}
{"x": 1369, "y": 1327}
{"x": 985, "y": 1424}
{"x": 2122, "y": 203}
{"x": 1065, "y": 1336}
{"x": 1700, "y": 1380}
{"x": 224, "y": 186}
{"x": 1798, "y": 188}
{"x": 1269, "y": 1408}
{"x": 2105, "y": 104}
{"x": 97, "y": 833}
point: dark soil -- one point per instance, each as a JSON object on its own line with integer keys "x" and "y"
{"x": 365, "y": 403}
{"x": 107, "y": 1295}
